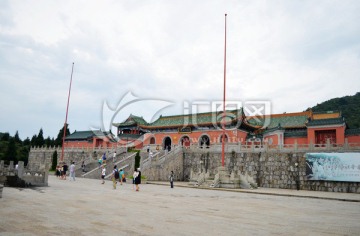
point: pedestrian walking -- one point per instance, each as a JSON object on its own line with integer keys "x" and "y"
{"x": 138, "y": 179}
{"x": 122, "y": 176}
{"x": 115, "y": 176}
{"x": 83, "y": 166}
{"x": 135, "y": 174}
{"x": 103, "y": 173}
{"x": 72, "y": 171}
{"x": 100, "y": 161}
{"x": 114, "y": 156}
{"x": 58, "y": 171}
{"x": 171, "y": 178}
{"x": 104, "y": 158}
{"x": 64, "y": 169}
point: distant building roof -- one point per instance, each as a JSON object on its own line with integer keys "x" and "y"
{"x": 286, "y": 120}
{"x": 325, "y": 115}
{"x": 131, "y": 121}
{"x": 352, "y": 131}
{"x": 175, "y": 121}
{"x": 85, "y": 135}
{"x": 323, "y": 122}
{"x": 295, "y": 133}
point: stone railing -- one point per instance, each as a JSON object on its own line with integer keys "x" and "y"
{"x": 239, "y": 148}
{"x": 34, "y": 177}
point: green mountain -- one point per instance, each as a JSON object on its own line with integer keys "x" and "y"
{"x": 348, "y": 105}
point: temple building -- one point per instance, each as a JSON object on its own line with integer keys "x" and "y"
{"x": 89, "y": 139}
{"x": 205, "y": 129}
{"x": 202, "y": 129}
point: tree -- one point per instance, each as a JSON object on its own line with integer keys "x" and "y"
{"x": 58, "y": 140}
{"x": 23, "y": 154}
{"x": 49, "y": 142}
{"x": 27, "y": 142}
{"x": 5, "y": 137}
{"x": 17, "y": 138}
{"x": 33, "y": 140}
{"x": 54, "y": 160}
{"x": 348, "y": 105}
{"x": 137, "y": 159}
{"x": 40, "y": 139}
{"x": 10, "y": 154}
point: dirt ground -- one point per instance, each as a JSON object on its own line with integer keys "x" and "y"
{"x": 86, "y": 207}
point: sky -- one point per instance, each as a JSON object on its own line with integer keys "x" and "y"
{"x": 156, "y": 57}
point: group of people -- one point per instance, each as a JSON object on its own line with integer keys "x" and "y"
{"x": 119, "y": 176}
{"x": 116, "y": 176}
{"x": 102, "y": 159}
{"x": 61, "y": 171}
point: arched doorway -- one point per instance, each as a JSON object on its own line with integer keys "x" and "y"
{"x": 152, "y": 140}
{"x": 204, "y": 141}
{"x": 167, "y": 143}
{"x": 185, "y": 141}
{"x": 221, "y": 138}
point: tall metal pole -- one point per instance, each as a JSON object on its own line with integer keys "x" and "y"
{"x": 67, "y": 110}
{"x": 223, "y": 116}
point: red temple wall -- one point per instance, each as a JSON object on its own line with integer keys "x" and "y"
{"x": 272, "y": 139}
{"x": 214, "y": 135}
{"x": 353, "y": 138}
{"x": 299, "y": 140}
{"x": 340, "y": 134}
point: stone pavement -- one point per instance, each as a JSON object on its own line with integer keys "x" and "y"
{"x": 86, "y": 207}
{"x": 350, "y": 197}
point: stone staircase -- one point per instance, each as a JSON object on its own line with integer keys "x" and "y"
{"x": 124, "y": 161}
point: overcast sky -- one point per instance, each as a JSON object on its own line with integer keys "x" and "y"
{"x": 167, "y": 57}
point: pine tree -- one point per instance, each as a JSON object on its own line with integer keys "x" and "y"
{"x": 5, "y": 137}
{"x": 40, "y": 139}
{"x": 137, "y": 159}
{"x": 54, "y": 160}
{"x": 17, "y": 138}
{"x": 58, "y": 140}
{"x": 26, "y": 142}
{"x": 10, "y": 154}
{"x": 33, "y": 140}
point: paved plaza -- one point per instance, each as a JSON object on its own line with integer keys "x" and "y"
{"x": 86, "y": 207}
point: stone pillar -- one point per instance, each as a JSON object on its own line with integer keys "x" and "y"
{"x": 11, "y": 166}
{"x": 46, "y": 174}
{"x": 328, "y": 144}
{"x": 225, "y": 179}
{"x": 311, "y": 145}
{"x": 346, "y": 144}
{"x": 20, "y": 170}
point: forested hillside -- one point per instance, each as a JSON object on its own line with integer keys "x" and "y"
{"x": 348, "y": 105}
{"x": 12, "y": 148}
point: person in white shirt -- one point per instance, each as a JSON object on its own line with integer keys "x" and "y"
{"x": 72, "y": 171}
{"x": 114, "y": 156}
{"x": 103, "y": 173}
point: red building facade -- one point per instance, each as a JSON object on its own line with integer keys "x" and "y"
{"x": 205, "y": 129}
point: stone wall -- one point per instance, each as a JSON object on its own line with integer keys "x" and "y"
{"x": 41, "y": 156}
{"x": 160, "y": 168}
{"x": 21, "y": 176}
{"x": 268, "y": 169}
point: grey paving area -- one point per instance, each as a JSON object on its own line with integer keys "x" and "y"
{"x": 86, "y": 207}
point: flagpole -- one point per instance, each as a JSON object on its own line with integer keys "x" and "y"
{"x": 67, "y": 110}
{"x": 223, "y": 116}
